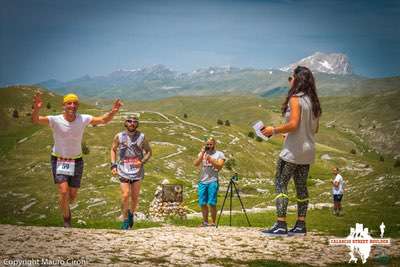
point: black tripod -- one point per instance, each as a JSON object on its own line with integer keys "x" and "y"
{"x": 232, "y": 185}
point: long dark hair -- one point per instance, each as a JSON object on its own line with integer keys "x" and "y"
{"x": 303, "y": 81}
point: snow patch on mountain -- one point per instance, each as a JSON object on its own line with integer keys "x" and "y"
{"x": 335, "y": 63}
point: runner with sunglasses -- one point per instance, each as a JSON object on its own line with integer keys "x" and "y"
{"x": 133, "y": 152}
{"x": 66, "y": 155}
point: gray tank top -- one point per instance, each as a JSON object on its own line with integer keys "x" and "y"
{"x": 299, "y": 146}
{"x": 130, "y": 152}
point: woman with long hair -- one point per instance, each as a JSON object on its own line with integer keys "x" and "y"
{"x": 301, "y": 110}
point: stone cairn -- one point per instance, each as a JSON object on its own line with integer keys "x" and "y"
{"x": 168, "y": 201}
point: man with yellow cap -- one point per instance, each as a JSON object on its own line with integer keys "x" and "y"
{"x": 66, "y": 156}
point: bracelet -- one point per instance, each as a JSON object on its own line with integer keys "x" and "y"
{"x": 113, "y": 165}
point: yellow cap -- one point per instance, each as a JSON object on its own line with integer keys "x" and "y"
{"x": 70, "y": 98}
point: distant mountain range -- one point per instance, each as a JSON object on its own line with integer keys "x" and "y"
{"x": 332, "y": 71}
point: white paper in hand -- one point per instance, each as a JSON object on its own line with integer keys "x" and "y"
{"x": 258, "y": 126}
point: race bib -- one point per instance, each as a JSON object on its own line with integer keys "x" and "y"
{"x": 65, "y": 167}
{"x": 131, "y": 165}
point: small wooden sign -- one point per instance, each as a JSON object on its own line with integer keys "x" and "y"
{"x": 172, "y": 193}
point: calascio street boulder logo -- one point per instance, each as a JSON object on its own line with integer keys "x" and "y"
{"x": 360, "y": 242}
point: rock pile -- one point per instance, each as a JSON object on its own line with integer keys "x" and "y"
{"x": 167, "y": 202}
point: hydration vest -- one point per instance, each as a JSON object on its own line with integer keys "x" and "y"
{"x": 130, "y": 151}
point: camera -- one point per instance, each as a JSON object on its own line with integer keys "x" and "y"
{"x": 235, "y": 177}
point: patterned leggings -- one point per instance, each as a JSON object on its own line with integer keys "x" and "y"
{"x": 284, "y": 171}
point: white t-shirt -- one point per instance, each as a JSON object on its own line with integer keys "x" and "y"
{"x": 338, "y": 190}
{"x": 208, "y": 173}
{"x": 68, "y": 135}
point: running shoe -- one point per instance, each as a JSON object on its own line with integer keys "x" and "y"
{"x": 130, "y": 218}
{"x": 278, "y": 229}
{"x": 298, "y": 229}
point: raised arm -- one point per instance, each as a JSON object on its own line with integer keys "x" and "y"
{"x": 199, "y": 158}
{"x": 109, "y": 115}
{"x": 37, "y": 104}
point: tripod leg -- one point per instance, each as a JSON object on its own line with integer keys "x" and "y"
{"x": 223, "y": 203}
{"x": 230, "y": 205}
{"x": 241, "y": 203}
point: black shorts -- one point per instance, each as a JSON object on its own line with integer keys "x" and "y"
{"x": 125, "y": 180}
{"x": 337, "y": 198}
{"x": 73, "y": 181}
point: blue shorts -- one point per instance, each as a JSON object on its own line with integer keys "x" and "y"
{"x": 208, "y": 193}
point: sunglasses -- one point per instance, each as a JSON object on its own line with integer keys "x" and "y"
{"x": 131, "y": 121}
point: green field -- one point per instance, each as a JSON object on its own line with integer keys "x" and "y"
{"x": 29, "y": 197}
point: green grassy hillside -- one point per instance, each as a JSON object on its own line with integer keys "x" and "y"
{"x": 373, "y": 119}
{"x": 28, "y": 195}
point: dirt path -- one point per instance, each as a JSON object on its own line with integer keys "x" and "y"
{"x": 167, "y": 246}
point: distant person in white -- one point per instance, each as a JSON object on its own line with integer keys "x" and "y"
{"x": 66, "y": 155}
{"x": 337, "y": 191}
{"x": 382, "y": 227}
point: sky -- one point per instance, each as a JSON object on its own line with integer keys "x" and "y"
{"x": 64, "y": 40}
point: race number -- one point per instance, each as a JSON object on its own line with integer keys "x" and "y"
{"x": 66, "y": 167}
{"x": 131, "y": 165}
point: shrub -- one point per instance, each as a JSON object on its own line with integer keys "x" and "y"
{"x": 85, "y": 149}
{"x": 397, "y": 163}
{"x": 220, "y": 122}
{"x": 230, "y": 163}
{"x": 227, "y": 123}
{"x": 48, "y": 106}
{"x": 353, "y": 151}
{"x": 185, "y": 115}
{"x": 258, "y": 139}
{"x": 251, "y": 134}
{"x": 15, "y": 114}
{"x": 381, "y": 158}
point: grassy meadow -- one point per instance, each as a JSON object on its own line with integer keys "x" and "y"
{"x": 176, "y": 128}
